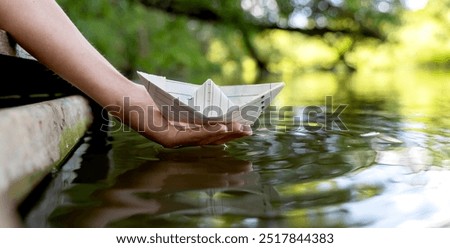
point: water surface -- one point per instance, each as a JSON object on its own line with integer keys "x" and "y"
{"x": 390, "y": 168}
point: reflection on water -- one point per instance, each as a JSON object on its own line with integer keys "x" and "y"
{"x": 166, "y": 185}
{"x": 391, "y": 168}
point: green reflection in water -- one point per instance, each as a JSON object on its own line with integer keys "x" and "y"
{"x": 391, "y": 168}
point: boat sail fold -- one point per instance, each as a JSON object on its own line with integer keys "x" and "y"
{"x": 209, "y": 103}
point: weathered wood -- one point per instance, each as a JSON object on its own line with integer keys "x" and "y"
{"x": 37, "y": 137}
{"x": 39, "y": 134}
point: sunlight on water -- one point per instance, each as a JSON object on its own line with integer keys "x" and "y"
{"x": 391, "y": 168}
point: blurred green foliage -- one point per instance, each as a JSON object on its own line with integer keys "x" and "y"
{"x": 134, "y": 38}
{"x": 247, "y": 41}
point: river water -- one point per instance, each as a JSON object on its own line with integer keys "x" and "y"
{"x": 383, "y": 162}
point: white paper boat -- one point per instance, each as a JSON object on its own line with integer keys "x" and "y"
{"x": 192, "y": 103}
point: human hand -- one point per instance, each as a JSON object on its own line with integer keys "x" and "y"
{"x": 45, "y": 31}
{"x": 138, "y": 110}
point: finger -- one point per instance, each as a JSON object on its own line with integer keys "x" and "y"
{"x": 203, "y": 135}
{"x": 228, "y": 138}
{"x": 210, "y": 134}
{"x": 232, "y": 131}
{"x": 232, "y": 135}
{"x": 236, "y": 127}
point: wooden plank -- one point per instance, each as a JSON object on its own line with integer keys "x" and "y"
{"x": 37, "y": 137}
{"x": 51, "y": 117}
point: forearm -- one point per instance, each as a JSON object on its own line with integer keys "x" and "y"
{"x": 43, "y": 29}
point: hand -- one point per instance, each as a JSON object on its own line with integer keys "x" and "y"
{"x": 45, "y": 31}
{"x": 138, "y": 110}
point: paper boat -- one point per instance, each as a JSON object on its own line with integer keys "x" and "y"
{"x": 207, "y": 103}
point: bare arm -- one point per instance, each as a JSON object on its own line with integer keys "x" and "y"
{"x": 44, "y": 30}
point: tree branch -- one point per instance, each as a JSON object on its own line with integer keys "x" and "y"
{"x": 204, "y": 11}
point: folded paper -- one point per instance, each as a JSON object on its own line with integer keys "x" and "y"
{"x": 206, "y": 103}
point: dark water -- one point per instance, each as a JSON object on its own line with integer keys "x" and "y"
{"x": 390, "y": 168}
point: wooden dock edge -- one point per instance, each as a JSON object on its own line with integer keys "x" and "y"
{"x": 34, "y": 139}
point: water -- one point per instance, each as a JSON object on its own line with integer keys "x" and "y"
{"x": 391, "y": 168}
